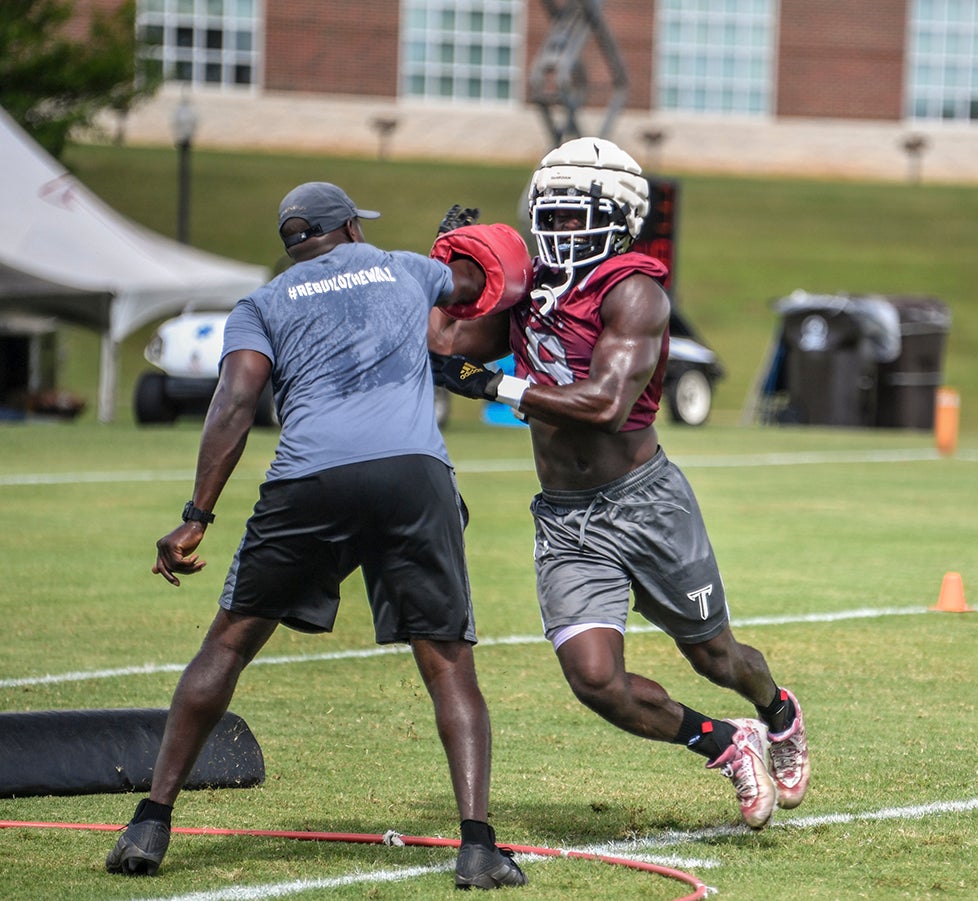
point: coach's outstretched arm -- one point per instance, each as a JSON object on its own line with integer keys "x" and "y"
{"x": 229, "y": 419}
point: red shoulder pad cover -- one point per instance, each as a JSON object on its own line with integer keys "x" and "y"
{"x": 501, "y": 252}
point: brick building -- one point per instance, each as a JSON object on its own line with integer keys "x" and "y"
{"x": 674, "y": 66}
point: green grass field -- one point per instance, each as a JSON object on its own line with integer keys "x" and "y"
{"x": 833, "y": 544}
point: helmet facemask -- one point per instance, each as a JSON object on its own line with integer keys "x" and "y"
{"x": 600, "y": 185}
{"x": 602, "y": 230}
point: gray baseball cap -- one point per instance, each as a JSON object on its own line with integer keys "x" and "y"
{"x": 320, "y": 203}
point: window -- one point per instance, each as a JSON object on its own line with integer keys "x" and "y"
{"x": 202, "y": 42}
{"x": 461, "y": 50}
{"x": 716, "y": 56}
{"x": 942, "y": 69}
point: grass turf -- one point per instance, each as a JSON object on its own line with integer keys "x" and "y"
{"x": 350, "y": 745}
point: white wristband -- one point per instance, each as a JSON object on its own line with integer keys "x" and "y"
{"x": 511, "y": 390}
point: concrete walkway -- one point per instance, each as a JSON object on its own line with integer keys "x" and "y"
{"x": 813, "y": 148}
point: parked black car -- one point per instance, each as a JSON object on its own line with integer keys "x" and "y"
{"x": 692, "y": 371}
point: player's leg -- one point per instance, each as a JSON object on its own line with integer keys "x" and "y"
{"x": 448, "y": 670}
{"x": 728, "y": 663}
{"x": 593, "y": 663}
{"x": 742, "y": 668}
{"x": 201, "y": 698}
{"x": 462, "y": 718}
{"x": 413, "y": 560}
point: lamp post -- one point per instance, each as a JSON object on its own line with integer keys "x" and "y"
{"x": 384, "y": 128}
{"x": 184, "y": 125}
{"x": 914, "y": 146}
{"x": 653, "y": 138}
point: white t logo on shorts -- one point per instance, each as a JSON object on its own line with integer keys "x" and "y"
{"x": 701, "y": 597}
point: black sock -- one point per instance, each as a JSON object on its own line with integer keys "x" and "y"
{"x": 780, "y": 713}
{"x": 150, "y": 810}
{"x": 704, "y": 735}
{"x": 475, "y": 832}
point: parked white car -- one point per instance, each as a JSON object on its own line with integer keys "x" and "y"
{"x": 186, "y": 351}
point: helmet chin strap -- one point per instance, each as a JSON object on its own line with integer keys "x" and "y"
{"x": 548, "y": 295}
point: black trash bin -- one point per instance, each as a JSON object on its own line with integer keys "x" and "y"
{"x": 830, "y": 363}
{"x": 907, "y": 386}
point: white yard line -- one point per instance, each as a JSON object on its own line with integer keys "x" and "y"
{"x": 635, "y": 849}
{"x": 285, "y": 889}
{"x": 733, "y": 461}
{"x": 79, "y": 478}
{"x": 148, "y": 669}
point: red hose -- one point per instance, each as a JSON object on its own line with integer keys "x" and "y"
{"x": 699, "y": 892}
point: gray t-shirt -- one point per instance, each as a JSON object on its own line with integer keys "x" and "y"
{"x": 346, "y": 334}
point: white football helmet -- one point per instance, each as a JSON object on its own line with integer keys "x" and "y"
{"x": 600, "y": 183}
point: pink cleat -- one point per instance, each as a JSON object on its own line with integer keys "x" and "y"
{"x": 744, "y": 763}
{"x": 790, "y": 766}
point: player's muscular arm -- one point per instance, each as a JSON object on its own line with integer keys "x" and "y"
{"x": 635, "y": 314}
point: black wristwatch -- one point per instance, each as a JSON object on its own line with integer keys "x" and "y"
{"x": 195, "y": 514}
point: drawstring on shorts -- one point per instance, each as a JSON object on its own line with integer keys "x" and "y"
{"x": 614, "y": 492}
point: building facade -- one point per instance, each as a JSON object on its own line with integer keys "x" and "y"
{"x": 746, "y": 64}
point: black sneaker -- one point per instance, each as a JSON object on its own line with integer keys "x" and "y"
{"x": 140, "y": 849}
{"x": 482, "y": 867}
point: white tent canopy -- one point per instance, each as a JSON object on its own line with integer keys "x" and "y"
{"x": 65, "y": 253}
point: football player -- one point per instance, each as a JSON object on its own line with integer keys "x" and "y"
{"x": 614, "y": 515}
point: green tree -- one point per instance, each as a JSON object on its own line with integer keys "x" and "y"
{"x": 50, "y": 83}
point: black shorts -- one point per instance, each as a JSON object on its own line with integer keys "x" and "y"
{"x": 399, "y": 519}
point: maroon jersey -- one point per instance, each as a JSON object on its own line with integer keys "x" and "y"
{"x": 556, "y": 349}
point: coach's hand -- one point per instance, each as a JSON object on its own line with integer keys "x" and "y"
{"x": 465, "y": 377}
{"x": 175, "y": 552}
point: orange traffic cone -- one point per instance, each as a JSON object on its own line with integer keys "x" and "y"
{"x": 947, "y": 411}
{"x": 951, "y": 599}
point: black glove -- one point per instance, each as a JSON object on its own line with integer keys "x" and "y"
{"x": 456, "y": 217}
{"x": 465, "y": 377}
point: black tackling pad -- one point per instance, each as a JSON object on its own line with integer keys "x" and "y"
{"x": 81, "y": 752}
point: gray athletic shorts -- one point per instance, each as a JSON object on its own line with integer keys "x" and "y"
{"x": 642, "y": 532}
{"x": 399, "y": 519}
